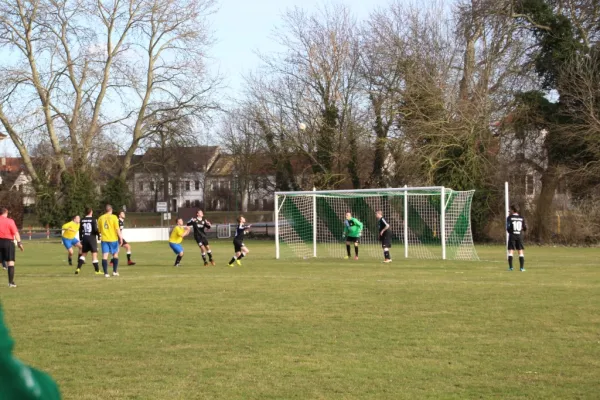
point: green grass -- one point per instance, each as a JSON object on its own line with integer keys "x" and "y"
{"x": 316, "y": 329}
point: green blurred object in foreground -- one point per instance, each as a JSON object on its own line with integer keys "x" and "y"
{"x": 17, "y": 380}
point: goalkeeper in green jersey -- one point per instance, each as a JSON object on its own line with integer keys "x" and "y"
{"x": 18, "y": 381}
{"x": 352, "y": 230}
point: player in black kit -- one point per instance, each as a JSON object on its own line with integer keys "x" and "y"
{"x": 385, "y": 236}
{"x": 515, "y": 226}
{"x": 88, "y": 233}
{"x": 238, "y": 241}
{"x": 200, "y": 225}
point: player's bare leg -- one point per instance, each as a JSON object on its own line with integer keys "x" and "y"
{"x": 70, "y": 256}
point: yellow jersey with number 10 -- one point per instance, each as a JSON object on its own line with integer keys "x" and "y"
{"x": 108, "y": 226}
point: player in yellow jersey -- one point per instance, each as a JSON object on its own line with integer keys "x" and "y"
{"x": 110, "y": 239}
{"x": 70, "y": 230}
{"x": 179, "y": 232}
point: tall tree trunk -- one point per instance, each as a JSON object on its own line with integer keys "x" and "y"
{"x": 543, "y": 209}
{"x": 377, "y": 179}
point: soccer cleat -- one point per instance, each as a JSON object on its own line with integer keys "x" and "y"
{"x": 176, "y": 265}
{"x": 231, "y": 265}
{"x": 356, "y": 258}
{"x": 77, "y": 271}
{"x": 4, "y": 268}
{"x": 389, "y": 260}
{"x": 205, "y": 264}
{"x": 106, "y": 275}
{"x": 12, "y": 285}
{"x": 99, "y": 273}
{"x": 212, "y": 263}
{"x": 522, "y": 269}
{"x": 238, "y": 262}
{"x": 510, "y": 269}
{"x": 346, "y": 257}
{"x": 115, "y": 274}
{"x": 130, "y": 263}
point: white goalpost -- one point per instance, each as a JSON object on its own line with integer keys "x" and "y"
{"x": 426, "y": 222}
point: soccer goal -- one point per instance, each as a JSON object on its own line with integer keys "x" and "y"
{"x": 426, "y": 222}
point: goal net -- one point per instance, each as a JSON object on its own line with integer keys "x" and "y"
{"x": 432, "y": 222}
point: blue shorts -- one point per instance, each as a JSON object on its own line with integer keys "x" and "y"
{"x": 68, "y": 243}
{"x": 176, "y": 247}
{"x": 110, "y": 247}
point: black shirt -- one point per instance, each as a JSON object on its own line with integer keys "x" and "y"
{"x": 382, "y": 224}
{"x": 88, "y": 227}
{"x": 121, "y": 224}
{"x": 199, "y": 225}
{"x": 515, "y": 224}
{"x": 240, "y": 231}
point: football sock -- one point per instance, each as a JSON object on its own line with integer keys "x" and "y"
{"x": 96, "y": 267}
{"x": 115, "y": 264}
{"x": 386, "y": 254}
{"x": 70, "y": 261}
{"x": 356, "y": 250}
{"x": 178, "y": 259}
{"x": 232, "y": 260}
{"x": 80, "y": 262}
{"x": 112, "y": 260}
{"x": 128, "y": 256}
{"x": 522, "y": 261}
{"x": 348, "y": 249}
{"x": 105, "y": 266}
{"x": 204, "y": 257}
{"x": 209, "y": 255}
{"x": 11, "y": 274}
{"x": 241, "y": 256}
{"x": 510, "y": 259}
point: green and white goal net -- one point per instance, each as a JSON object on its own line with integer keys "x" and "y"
{"x": 430, "y": 222}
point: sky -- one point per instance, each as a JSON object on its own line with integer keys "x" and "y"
{"x": 241, "y": 28}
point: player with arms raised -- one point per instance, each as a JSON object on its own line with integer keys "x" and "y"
{"x": 111, "y": 239}
{"x": 88, "y": 232}
{"x": 352, "y": 230}
{"x": 515, "y": 226}
{"x": 385, "y": 236}
{"x": 69, "y": 237}
{"x": 238, "y": 241}
{"x": 199, "y": 224}
{"x": 177, "y": 235}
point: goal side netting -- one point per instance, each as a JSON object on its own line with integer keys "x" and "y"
{"x": 425, "y": 222}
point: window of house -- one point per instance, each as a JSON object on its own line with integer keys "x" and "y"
{"x": 141, "y": 186}
{"x": 265, "y": 184}
{"x": 152, "y": 188}
{"x": 197, "y": 203}
{"x": 188, "y": 204}
{"x": 187, "y": 185}
{"x": 213, "y": 185}
{"x": 197, "y": 185}
{"x": 264, "y": 204}
{"x": 529, "y": 186}
{"x": 256, "y": 204}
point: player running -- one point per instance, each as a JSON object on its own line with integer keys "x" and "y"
{"x": 385, "y": 236}
{"x": 89, "y": 234}
{"x": 352, "y": 230}
{"x": 199, "y": 224}
{"x": 111, "y": 239}
{"x": 238, "y": 242}
{"x": 515, "y": 226}
{"x": 69, "y": 237}
{"x": 125, "y": 244}
{"x": 179, "y": 232}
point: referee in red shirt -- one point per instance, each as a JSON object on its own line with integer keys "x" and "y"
{"x": 8, "y": 234}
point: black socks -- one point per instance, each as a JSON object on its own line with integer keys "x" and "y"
{"x": 178, "y": 260}
{"x": 522, "y": 261}
{"x": 348, "y": 249}
{"x": 11, "y": 274}
{"x": 510, "y": 262}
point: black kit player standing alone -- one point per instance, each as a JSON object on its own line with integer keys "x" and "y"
{"x": 515, "y": 226}
{"x": 89, "y": 235}
{"x": 238, "y": 242}
{"x": 200, "y": 224}
{"x": 125, "y": 244}
{"x": 385, "y": 236}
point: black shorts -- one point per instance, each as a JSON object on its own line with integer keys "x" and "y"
{"x": 515, "y": 243}
{"x": 89, "y": 244}
{"x": 352, "y": 239}
{"x": 201, "y": 240}
{"x": 386, "y": 239}
{"x": 238, "y": 244}
{"x": 124, "y": 242}
{"x": 7, "y": 250}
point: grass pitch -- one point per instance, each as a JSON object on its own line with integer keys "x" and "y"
{"x": 311, "y": 329}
